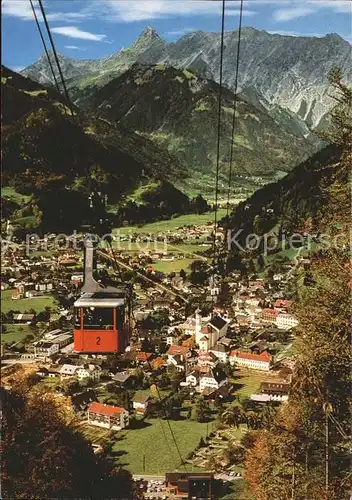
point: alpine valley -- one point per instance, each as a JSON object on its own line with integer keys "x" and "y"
{"x": 168, "y": 92}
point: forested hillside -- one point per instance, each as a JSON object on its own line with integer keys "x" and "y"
{"x": 50, "y": 154}
{"x": 304, "y": 451}
{"x": 314, "y": 196}
{"x": 178, "y": 110}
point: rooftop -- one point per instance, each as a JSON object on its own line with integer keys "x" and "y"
{"x": 106, "y": 410}
{"x": 264, "y": 356}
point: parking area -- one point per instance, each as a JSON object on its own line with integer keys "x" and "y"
{"x": 153, "y": 489}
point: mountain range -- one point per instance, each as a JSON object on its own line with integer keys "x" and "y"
{"x": 286, "y": 71}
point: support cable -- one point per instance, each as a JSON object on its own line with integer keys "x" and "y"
{"x": 45, "y": 47}
{"x": 56, "y": 57}
{"x": 234, "y": 108}
{"x": 218, "y": 144}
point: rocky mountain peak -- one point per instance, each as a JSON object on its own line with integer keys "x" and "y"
{"x": 148, "y": 35}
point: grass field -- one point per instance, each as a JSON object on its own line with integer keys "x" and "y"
{"x": 247, "y": 382}
{"x": 168, "y": 225}
{"x": 11, "y": 193}
{"x": 173, "y": 266}
{"x": 152, "y": 446}
{"x": 15, "y": 333}
{"x": 23, "y": 305}
{"x": 290, "y": 253}
{"x": 159, "y": 246}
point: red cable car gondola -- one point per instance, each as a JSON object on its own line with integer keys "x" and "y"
{"x": 102, "y": 314}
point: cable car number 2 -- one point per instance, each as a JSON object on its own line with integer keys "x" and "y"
{"x": 98, "y": 340}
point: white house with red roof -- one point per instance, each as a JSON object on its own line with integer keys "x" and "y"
{"x": 250, "y": 360}
{"x": 107, "y": 416}
{"x": 177, "y": 356}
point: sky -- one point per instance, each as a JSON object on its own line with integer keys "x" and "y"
{"x": 91, "y": 29}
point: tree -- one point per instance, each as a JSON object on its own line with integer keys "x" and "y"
{"x": 340, "y": 130}
{"x": 43, "y": 456}
{"x": 304, "y": 449}
{"x": 232, "y": 416}
{"x": 234, "y": 454}
{"x": 201, "y": 410}
{"x": 183, "y": 274}
{"x": 199, "y": 204}
{"x": 171, "y": 408}
{"x": 199, "y": 272}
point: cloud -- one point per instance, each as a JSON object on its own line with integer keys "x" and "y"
{"x": 69, "y": 16}
{"x": 178, "y": 32}
{"x": 74, "y": 47}
{"x": 22, "y": 10}
{"x": 301, "y": 8}
{"x": 74, "y": 32}
{"x": 136, "y": 10}
{"x": 17, "y": 8}
{"x": 292, "y": 13}
{"x": 339, "y": 6}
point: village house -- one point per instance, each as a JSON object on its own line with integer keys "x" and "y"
{"x": 206, "y": 358}
{"x": 81, "y": 401}
{"x": 204, "y": 342}
{"x": 254, "y": 284}
{"x": 249, "y": 360}
{"x": 192, "y": 379}
{"x": 259, "y": 346}
{"x": 221, "y": 352}
{"x": 24, "y": 319}
{"x": 188, "y": 327}
{"x": 123, "y": 379}
{"x": 44, "y": 286}
{"x": 4, "y": 285}
{"x": 269, "y": 315}
{"x": 107, "y": 416}
{"x": 45, "y": 349}
{"x": 286, "y": 321}
{"x": 275, "y": 387}
{"x": 213, "y": 378}
{"x": 189, "y": 485}
{"x": 140, "y": 403}
{"x": 176, "y": 350}
{"x": 283, "y": 305}
{"x": 82, "y": 372}
{"x": 144, "y": 357}
{"x": 63, "y": 340}
{"x": 171, "y": 337}
{"x": 51, "y": 372}
{"x": 226, "y": 341}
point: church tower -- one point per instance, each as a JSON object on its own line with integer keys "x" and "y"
{"x": 198, "y": 329}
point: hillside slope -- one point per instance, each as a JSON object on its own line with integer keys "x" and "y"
{"x": 313, "y": 198}
{"x": 179, "y": 110}
{"x": 49, "y": 154}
